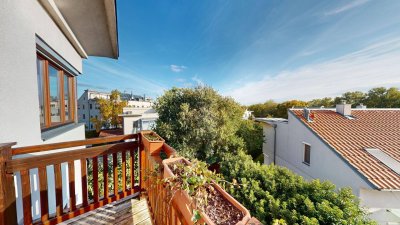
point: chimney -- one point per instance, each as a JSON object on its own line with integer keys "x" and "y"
{"x": 361, "y": 106}
{"x": 343, "y": 109}
{"x": 307, "y": 114}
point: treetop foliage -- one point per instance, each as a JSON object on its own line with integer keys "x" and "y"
{"x": 199, "y": 122}
{"x": 109, "y": 110}
{"x": 379, "y": 97}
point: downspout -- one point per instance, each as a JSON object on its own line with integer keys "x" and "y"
{"x": 275, "y": 143}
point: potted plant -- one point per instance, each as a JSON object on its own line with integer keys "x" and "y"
{"x": 152, "y": 142}
{"x": 198, "y": 196}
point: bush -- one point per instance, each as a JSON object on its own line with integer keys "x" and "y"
{"x": 275, "y": 195}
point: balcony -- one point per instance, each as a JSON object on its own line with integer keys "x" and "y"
{"x": 128, "y": 196}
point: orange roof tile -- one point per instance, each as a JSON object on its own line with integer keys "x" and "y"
{"x": 371, "y": 128}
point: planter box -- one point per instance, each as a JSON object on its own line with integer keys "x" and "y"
{"x": 185, "y": 205}
{"x": 154, "y": 147}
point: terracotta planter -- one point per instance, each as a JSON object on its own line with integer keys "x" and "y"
{"x": 183, "y": 200}
{"x": 154, "y": 147}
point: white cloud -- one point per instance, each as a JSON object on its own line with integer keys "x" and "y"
{"x": 348, "y": 6}
{"x": 375, "y": 65}
{"x": 177, "y": 69}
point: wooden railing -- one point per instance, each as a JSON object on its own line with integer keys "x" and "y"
{"x": 163, "y": 210}
{"x": 133, "y": 170}
{"x": 88, "y": 153}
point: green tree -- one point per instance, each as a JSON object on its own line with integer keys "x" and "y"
{"x": 266, "y": 109}
{"x": 199, "y": 122}
{"x": 383, "y": 98}
{"x": 281, "y": 109}
{"x": 319, "y": 102}
{"x": 393, "y": 98}
{"x": 110, "y": 109}
{"x": 275, "y": 195}
{"x": 354, "y": 98}
{"x": 252, "y": 134}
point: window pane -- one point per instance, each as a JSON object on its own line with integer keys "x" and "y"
{"x": 54, "y": 95}
{"x": 307, "y": 153}
{"x": 66, "y": 97}
{"x": 40, "y": 64}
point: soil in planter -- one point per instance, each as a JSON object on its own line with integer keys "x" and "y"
{"x": 219, "y": 210}
{"x": 152, "y": 137}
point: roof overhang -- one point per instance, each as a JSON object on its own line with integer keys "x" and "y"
{"x": 90, "y": 25}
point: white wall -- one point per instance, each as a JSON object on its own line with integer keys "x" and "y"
{"x": 137, "y": 114}
{"x": 269, "y": 142}
{"x": 20, "y": 22}
{"x": 379, "y": 202}
{"x": 325, "y": 164}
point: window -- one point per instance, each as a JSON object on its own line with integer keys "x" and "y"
{"x": 83, "y": 106}
{"x": 83, "y": 116}
{"x": 307, "y": 154}
{"x": 90, "y": 106}
{"x": 56, "y": 94}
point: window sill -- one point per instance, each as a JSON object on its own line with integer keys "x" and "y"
{"x": 308, "y": 164}
{"x": 59, "y": 130}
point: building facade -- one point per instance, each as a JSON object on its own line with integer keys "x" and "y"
{"x": 89, "y": 109}
{"x": 335, "y": 145}
{"x": 138, "y": 119}
{"x": 42, "y": 44}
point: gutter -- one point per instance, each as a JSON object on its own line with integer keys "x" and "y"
{"x": 275, "y": 126}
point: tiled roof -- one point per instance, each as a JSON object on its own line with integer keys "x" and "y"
{"x": 379, "y": 129}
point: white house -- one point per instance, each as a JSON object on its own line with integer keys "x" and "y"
{"x": 138, "y": 119}
{"x": 247, "y": 114}
{"x": 88, "y": 107}
{"x": 42, "y": 45}
{"x": 357, "y": 148}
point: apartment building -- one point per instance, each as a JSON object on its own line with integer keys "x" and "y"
{"x": 88, "y": 107}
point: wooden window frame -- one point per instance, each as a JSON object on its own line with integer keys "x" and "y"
{"x": 304, "y": 154}
{"x": 46, "y": 95}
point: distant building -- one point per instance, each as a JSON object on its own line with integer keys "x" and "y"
{"x": 247, "y": 114}
{"x": 88, "y": 107}
{"x": 357, "y": 148}
{"x": 138, "y": 119}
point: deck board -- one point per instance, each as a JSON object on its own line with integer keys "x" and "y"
{"x": 131, "y": 210}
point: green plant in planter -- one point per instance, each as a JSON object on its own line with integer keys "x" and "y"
{"x": 152, "y": 137}
{"x": 195, "y": 179}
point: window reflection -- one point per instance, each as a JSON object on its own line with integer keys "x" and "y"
{"x": 54, "y": 95}
{"x": 66, "y": 97}
{"x": 40, "y": 63}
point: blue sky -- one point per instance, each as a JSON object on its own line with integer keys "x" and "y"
{"x": 252, "y": 50}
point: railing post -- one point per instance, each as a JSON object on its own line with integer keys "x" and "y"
{"x": 142, "y": 162}
{"x": 8, "y": 210}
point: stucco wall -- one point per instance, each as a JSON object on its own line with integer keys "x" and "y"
{"x": 20, "y": 21}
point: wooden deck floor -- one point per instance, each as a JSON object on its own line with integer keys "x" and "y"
{"x": 131, "y": 210}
